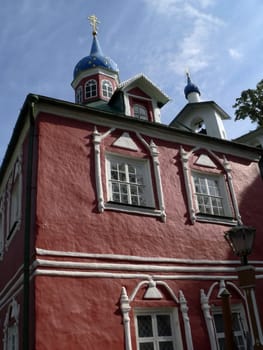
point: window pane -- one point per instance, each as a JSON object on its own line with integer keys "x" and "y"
{"x": 164, "y": 325}
{"x": 166, "y": 345}
{"x": 219, "y": 323}
{"x": 146, "y": 346}
{"x": 145, "y": 326}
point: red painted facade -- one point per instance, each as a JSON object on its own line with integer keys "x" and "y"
{"x": 80, "y": 259}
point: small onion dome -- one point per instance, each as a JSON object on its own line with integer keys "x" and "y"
{"x": 190, "y": 87}
{"x": 95, "y": 59}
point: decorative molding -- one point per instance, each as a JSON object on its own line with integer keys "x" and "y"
{"x": 157, "y": 174}
{"x": 204, "y": 160}
{"x": 125, "y": 309}
{"x": 129, "y": 267}
{"x": 125, "y": 141}
{"x": 227, "y": 168}
{"x": 186, "y": 320}
{"x": 187, "y": 180}
{"x": 136, "y": 258}
{"x": 208, "y": 319}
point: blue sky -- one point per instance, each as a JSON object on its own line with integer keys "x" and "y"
{"x": 218, "y": 41}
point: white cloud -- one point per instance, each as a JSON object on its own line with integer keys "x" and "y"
{"x": 195, "y": 45}
{"x": 235, "y": 54}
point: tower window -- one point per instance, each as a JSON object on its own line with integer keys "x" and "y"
{"x": 91, "y": 88}
{"x": 107, "y": 89}
{"x": 140, "y": 112}
{"x": 79, "y": 96}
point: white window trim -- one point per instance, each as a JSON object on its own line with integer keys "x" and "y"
{"x": 14, "y": 223}
{"x": 97, "y": 139}
{"x": 13, "y": 312}
{"x": 236, "y": 219}
{"x": 107, "y": 88}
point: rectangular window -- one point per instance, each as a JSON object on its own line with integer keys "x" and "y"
{"x": 239, "y": 329}
{"x": 129, "y": 181}
{"x": 210, "y": 195}
{"x": 14, "y": 205}
{"x": 156, "y": 330}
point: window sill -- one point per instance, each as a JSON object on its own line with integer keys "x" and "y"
{"x": 135, "y": 209}
{"x": 226, "y": 220}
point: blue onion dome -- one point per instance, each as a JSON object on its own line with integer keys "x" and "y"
{"x": 190, "y": 87}
{"x": 95, "y": 59}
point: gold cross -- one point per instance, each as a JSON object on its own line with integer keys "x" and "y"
{"x": 94, "y": 23}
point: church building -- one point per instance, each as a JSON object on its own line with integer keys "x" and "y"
{"x": 113, "y": 224}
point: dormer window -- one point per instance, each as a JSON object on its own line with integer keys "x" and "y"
{"x": 140, "y": 112}
{"x": 91, "y": 88}
{"x": 107, "y": 89}
{"x": 79, "y": 95}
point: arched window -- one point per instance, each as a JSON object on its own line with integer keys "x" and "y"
{"x": 79, "y": 96}
{"x": 107, "y": 89}
{"x": 140, "y": 112}
{"x": 91, "y": 88}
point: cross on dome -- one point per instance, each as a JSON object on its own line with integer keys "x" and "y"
{"x": 94, "y": 23}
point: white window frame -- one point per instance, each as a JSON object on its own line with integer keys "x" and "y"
{"x": 79, "y": 94}
{"x": 243, "y": 328}
{"x": 175, "y": 337}
{"x": 142, "y": 167}
{"x": 221, "y": 197}
{"x": 140, "y": 112}
{"x": 14, "y": 202}
{"x": 91, "y": 88}
{"x": 107, "y": 88}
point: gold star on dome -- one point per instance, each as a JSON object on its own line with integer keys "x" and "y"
{"x": 94, "y": 23}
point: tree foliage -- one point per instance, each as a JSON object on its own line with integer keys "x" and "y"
{"x": 250, "y": 105}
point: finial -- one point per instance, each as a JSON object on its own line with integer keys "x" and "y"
{"x": 94, "y": 23}
{"x": 188, "y": 79}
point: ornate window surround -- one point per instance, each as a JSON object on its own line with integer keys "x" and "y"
{"x": 102, "y": 205}
{"x": 185, "y": 156}
{"x": 107, "y": 88}
{"x": 154, "y": 293}
{"x": 207, "y": 307}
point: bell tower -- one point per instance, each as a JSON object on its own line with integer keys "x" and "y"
{"x": 96, "y": 76}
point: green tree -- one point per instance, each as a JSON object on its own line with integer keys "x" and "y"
{"x": 250, "y": 105}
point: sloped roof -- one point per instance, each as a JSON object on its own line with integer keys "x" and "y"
{"x": 145, "y": 84}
